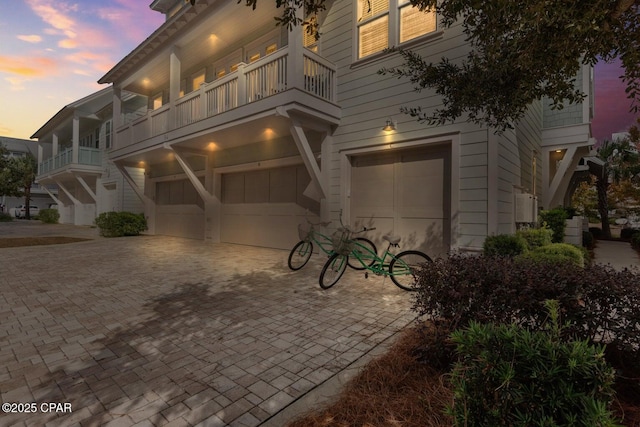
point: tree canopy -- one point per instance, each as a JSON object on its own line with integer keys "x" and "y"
{"x": 520, "y": 52}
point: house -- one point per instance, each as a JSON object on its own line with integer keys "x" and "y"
{"x": 71, "y": 157}
{"x": 240, "y": 129}
{"x": 40, "y": 195}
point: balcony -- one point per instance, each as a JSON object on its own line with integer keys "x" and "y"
{"x": 274, "y": 74}
{"x": 86, "y": 157}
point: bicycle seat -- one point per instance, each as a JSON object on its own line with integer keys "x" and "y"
{"x": 394, "y": 240}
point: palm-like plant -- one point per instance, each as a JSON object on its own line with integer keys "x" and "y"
{"x": 622, "y": 161}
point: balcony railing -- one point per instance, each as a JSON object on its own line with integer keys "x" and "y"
{"x": 250, "y": 83}
{"x": 86, "y": 156}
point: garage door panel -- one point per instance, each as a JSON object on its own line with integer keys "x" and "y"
{"x": 256, "y": 187}
{"x": 180, "y": 221}
{"x": 425, "y": 234}
{"x": 263, "y": 224}
{"x": 372, "y": 186}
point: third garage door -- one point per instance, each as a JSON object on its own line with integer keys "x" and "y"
{"x": 405, "y": 193}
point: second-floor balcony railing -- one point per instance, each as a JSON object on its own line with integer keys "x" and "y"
{"x": 250, "y": 83}
{"x": 86, "y": 156}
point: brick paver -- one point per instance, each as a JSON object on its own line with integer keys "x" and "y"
{"x": 159, "y": 331}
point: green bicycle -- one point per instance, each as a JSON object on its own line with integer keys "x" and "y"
{"x": 301, "y": 252}
{"x": 400, "y": 267}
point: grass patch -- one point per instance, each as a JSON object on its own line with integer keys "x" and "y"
{"x": 14, "y": 242}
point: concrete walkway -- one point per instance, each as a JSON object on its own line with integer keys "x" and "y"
{"x": 153, "y": 331}
{"x": 619, "y": 255}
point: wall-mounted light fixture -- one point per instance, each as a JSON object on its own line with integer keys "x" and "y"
{"x": 390, "y": 126}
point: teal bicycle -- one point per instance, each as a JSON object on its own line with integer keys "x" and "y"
{"x": 401, "y": 267}
{"x": 309, "y": 235}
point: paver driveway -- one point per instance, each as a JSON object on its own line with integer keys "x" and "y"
{"x": 157, "y": 330}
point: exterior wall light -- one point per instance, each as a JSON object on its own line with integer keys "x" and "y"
{"x": 390, "y": 126}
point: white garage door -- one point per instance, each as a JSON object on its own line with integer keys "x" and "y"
{"x": 404, "y": 193}
{"x": 264, "y": 207}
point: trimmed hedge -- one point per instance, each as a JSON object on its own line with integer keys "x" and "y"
{"x": 602, "y": 304}
{"x": 536, "y": 237}
{"x": 556, "y": 253}
{"x": 5, "y": 217}
{"x": 118, "y": 224}
{"x": 49, "y": 216}
{"x": 504, "y": 245}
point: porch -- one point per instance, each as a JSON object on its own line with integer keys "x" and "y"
{"x": 311, "y": 74}
{"x": 86, "y": 156}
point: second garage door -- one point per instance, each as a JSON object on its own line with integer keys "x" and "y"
{"x": 404, "y": 193}
{"x": 263, "y": 207}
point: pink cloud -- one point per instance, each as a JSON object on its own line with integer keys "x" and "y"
{"x": 31, "y": 38}
{"x": 27, "y": 66}
{"x": 55, "y": 14}
{"x": 132, "y": 19}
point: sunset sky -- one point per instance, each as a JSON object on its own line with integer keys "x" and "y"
{"x": 52, "y": 52}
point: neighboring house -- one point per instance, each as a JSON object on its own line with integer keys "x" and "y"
{"x": 40, "y": 195}
{"x": 242, "y": 128}
{"x": 71, "y": 156}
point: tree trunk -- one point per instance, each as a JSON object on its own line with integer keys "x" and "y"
{"x": 27, "y": 202}
{"x": 602, "y": 185}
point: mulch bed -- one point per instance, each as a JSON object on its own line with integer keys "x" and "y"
{"x": 14, "y": 242}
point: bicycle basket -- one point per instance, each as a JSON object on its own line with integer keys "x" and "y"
{"x": 342, "y": 242}
{"x": 305, "y": 232}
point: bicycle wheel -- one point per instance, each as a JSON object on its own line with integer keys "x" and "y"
{"x": 300, "y": 255}
{"x": 332, "y": 270}
{"x": 404, "y": 266}
{"x": 366, "y": 254}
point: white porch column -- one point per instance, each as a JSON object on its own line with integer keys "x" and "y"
{"x": 174, "y": 83}
{"x": 75, "y": 141}
{"x": 117, "y": 111}
{"x": 55, "y": 145}
{"x": 295, "y": 62}
{"x": 40, "y": 155}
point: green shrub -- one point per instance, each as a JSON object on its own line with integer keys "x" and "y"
{"x": 635, "y": 240}
{"x": 117, "y": 224}
{"x": 509, "y": 376}
{"x": 602, "y": 304}
{"x": 536, "y": 237}
{"x": 504, "y": 245}
{"x": 5, "y": 217}
{"x": 555, "y": 220}
{"x": 49, "y": 216}
{"x": 556, "y": 252}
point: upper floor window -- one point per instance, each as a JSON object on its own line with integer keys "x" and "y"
{"x": 157, "y": 101}
{"x": 385, "y": 23}
{"x": 197, "y": 79}
{"x": 308, "y": 39}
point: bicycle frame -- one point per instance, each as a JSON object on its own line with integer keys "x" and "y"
{"x": 380, "y": 265}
